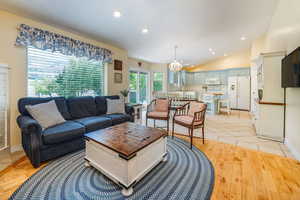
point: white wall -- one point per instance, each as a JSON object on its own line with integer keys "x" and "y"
{"x": 284, "y": 34}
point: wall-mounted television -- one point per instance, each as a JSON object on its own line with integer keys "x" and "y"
{"x": 290, "y": 70}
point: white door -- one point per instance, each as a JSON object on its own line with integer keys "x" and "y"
{"x": 243, "y": 93}
{"x": 139, "y": 87}
{"x": 232, "y": 91}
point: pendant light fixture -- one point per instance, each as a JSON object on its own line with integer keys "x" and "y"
{"x": 175, "y": 66}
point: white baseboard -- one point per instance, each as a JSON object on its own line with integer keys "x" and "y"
{"x": 16, "y": 148}
{"x": 292, "y": 149}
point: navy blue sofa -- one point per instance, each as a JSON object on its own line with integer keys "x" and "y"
{"x": 83, "y": 115}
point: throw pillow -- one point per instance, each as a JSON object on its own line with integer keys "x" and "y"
{"x": 46, "y": 114}
{"x": 115, "y": 106}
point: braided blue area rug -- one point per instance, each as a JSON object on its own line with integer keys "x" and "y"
{"x": 187, "y": 174}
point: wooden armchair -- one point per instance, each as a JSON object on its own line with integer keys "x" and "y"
{"x": 159, "y": 109}
{"x": 192, "y": 116}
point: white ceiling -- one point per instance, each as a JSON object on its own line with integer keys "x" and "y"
{"x": 193, "y": 25}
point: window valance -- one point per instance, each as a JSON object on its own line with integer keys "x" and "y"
{"x": 45, "y": 40}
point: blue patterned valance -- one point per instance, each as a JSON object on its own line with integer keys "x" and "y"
{"x": 45, "y": 40}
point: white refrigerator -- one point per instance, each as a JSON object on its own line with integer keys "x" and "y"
{"x": 239, "y": 92}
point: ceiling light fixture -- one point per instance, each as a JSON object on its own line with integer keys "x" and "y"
{"x": 213, "y": 53}
{"x": 210, "y": 49}
{"x": 117, "y": 14}
{"x": 225, "y": 54}
{"x": 175, "y": 66}
{"x": 145, "y": 30}
{"x": 243, "y": 38}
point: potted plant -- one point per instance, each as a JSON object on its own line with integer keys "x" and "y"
{"x": 125, "y": 93}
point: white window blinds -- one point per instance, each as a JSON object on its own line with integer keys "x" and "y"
{"x": 55, "y": 74}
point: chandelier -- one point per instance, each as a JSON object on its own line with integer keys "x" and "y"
{"x": 175, "y": 66}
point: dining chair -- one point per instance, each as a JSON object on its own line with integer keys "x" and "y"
{"x": 192, "y": 116}
{"x": 159, "y": 109}
{"x": 221, "y": 104}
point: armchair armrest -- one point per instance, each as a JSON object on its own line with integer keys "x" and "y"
{"x": 200, "y": 116}
{"x": 149, "y": 106}
{"x": 182, "y": 110}
{"x": 28, "y": 125}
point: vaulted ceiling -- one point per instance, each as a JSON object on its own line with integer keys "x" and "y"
{"x": 193, "y": 25}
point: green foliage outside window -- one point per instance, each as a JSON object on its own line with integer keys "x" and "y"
{"x": 80, "y": 77}
{"x": 157, "y": 81}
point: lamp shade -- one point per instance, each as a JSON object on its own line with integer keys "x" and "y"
{"x": 175, "y": 66}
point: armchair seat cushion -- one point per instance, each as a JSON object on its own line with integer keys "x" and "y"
{"x": 156, "y": 114}
{"x": 118, "y": 118}
{"x": 187, "y": 119}
{"x": 63, "y": 132}
{"x": 95, "y": 122}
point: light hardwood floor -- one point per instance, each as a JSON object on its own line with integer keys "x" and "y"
{"x": 239, "y": 173}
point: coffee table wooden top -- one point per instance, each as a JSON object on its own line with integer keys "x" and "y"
{"x": 126, "y": 138}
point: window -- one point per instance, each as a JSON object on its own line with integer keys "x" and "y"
{"x": 158, "y": 81}
{"x": 55, "y": 74}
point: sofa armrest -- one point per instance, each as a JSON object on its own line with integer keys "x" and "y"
{"x": 129, "y": 109}
{"x": 31, "y": 131}
{"x": 28, "y": 125}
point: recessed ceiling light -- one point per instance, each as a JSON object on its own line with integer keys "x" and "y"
{"x": 117, "y": 14}
{"x": 145, "y": 30}
{"x": 225, "y": 54}
{"x": 210, "y": 49}
{"x": 243, "y": 38}
{"x": 213, "y": 53}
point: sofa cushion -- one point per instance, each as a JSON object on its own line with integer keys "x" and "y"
{"x": 63, "y": 132}
{"x": 118, "y": 118}
{"x": 80, "y": 107}
{"x": 60, "y": 103}
{"x": 46, "y": 114}
{"x": 101, "y": 103}
{"x": 95, "y": 122}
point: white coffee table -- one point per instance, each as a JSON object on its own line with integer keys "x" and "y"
{"x": 125, "y": 153}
